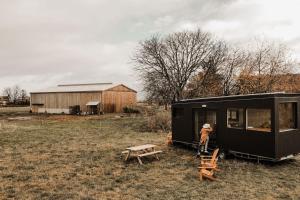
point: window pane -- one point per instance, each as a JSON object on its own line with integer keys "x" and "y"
{"x": 259, "y": 120}
{"x": 287, "y": 116}
{"x": 235, "y": 118}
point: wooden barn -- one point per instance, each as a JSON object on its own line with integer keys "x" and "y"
{"x": 91, "y": 98}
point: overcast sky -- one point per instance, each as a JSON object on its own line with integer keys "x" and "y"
{"x": 48, "y": 42}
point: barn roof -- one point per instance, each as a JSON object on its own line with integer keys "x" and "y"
{"x": 90, "y": 87}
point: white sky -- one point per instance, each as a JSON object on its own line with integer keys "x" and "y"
{"x": 47, "y": 42}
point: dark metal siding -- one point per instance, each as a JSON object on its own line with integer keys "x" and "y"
{"x": 288, "y": 142}
{"x": 268, "y": 144}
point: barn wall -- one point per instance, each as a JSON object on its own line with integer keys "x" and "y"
{"x": 115, "y": 101}
{"x": 60, "y": 101}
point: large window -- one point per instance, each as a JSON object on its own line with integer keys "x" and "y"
{"x": 287, "y": 116}
{"x": 259, "y": 120}
{"x": 235, "y": 118}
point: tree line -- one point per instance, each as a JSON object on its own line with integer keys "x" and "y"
{"x": 195, "y": 64}
{"x": 16, "y": 95}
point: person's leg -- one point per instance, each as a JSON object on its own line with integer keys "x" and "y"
{"x": 206, "y": 143}
{"x": 198, "y": 149}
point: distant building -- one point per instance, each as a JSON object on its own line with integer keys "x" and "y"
{"x": 23, "y": 100}
{"x": 87, "y": 98}
{"x": 4, "y": 100}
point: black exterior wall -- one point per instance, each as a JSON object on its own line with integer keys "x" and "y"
{"x": 273, "y": 145}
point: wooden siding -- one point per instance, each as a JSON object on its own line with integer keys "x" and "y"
{"x": 121, "y": 88}
{"x": 63, "y": 100}
{"x": 113, "y": 100}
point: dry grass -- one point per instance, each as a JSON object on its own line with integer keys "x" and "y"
{"x": 64, "y": 157}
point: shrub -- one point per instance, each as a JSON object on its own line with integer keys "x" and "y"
{"x": 128, "y": 109}
{"x": 161, "y": 121}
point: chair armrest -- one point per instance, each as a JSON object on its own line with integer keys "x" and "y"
{"x": 205, "y": 156}
{"x": 212, "y": 167}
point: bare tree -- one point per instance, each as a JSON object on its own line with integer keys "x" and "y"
{"x": 23, "y": 96}
{"x": 236, "y": 60}
{"x": 268, "y": 62}
{"x": 173, "y": 60}
{"x": 16, "y": 91}
{"x": 193, "y": 64}
{"x": 8, "y": 92}
{"x": 207, "y": 82}
{"x": 222, "y": 77}
{"x": 157, "y": 90}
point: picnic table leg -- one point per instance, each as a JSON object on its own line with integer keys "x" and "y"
{"x": 127, "y": 156}
{"x": 156, "y": 156}
{"x": 140, "y": 161}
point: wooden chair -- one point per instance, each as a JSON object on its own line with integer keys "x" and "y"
{"x": 169, "y": 139}
{"x": 208, "y": 165}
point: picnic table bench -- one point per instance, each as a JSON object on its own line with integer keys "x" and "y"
{"x": 141, "y": 151}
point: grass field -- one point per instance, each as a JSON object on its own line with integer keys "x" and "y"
{"x": 67, "y": 157}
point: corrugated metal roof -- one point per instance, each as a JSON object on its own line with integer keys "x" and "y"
{"x": 93, "y": 87}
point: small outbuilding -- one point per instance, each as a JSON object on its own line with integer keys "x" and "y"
{"x": 260, "y": 126}
{"x": 4, "y": 100}
{"x": 91, "y": 98}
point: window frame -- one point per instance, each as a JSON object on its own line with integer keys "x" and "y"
{"x": 237, "y": 117}
{"x": 255, "y": 129}
{"x": 295, "y": 116}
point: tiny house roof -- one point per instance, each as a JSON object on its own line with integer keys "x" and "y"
{"x": 240, "y": 97}
{"x": 90, "y": 87}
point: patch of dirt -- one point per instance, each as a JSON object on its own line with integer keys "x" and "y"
{"x": 19, "y": 118}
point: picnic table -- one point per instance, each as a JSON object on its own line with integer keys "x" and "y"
{"x": 141, "y": 151}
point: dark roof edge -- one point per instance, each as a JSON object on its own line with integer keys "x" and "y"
{"x": 237, "y": 96}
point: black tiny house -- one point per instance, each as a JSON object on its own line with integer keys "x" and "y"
{"x": 262, "y": 126}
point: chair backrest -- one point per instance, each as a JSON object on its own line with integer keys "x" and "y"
{"x": 214, "y": 156}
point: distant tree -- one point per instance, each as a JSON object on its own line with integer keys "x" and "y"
{"x": 207, "y": 82}
{"x": 16, "y": 92}
{"x": 194, "y": 64}
{"x": 221, "y": 80}
{"x": 255, "y": 70}
{"x": 23, "y": 96}
{"x": 170, "y": 62}
{"x": 235, "y": 60}
{"x": 268, "y": 62}
{"x": 157, "y": 90}
{"x": 8, "y": 92}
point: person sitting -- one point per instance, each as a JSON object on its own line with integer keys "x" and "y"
{"x": 204, "y": 139}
